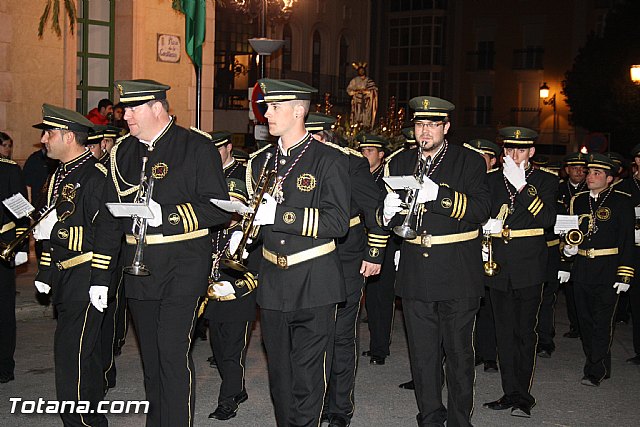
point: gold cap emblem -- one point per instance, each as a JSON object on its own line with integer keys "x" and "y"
{"x": 120, "y": 89}
{"x": 425, "y": 104}
{"x": 518, "y": 133}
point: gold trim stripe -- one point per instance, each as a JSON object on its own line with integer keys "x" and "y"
{"x": 299, "y": 257}
{"x": 529, "y": 232}
{"x": 518, "y": 141}
{"x": 159, "y": 239}
{"x": 429, "y": 113}
{"x": 8, "y": 226}
{"x": 316, "y": 223}
{"x": 137, "y": 98}
{"x": 101, "y": 261}
{"x": 592, "y": 253}
{"x": 57, "y": 125}
{"x": 45, "y": 259}
{"x": 552, "y": 243}
{"x": 446, "y": 238}
{"x": 74, "y": 261}
{"x": 536, "y": 206}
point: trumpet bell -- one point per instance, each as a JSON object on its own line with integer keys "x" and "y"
{"x": 137, "y": 270}
{"x": 574, "y": 237}
{"x": 405, "y": 232}
{"x": 234, "y": 265}
{"x": 491, "y": 268}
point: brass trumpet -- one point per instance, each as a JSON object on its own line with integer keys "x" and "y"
{"x": 248, "y": 229}
{"x": 490, "y": 267}
{"x": 139, "y": 227}
{"x": 411, "y": 199}
{"x": 573, "y": 237}
{"x": 8, "y": 250}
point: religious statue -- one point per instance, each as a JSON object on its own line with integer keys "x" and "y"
{"x": 364, "y": 97}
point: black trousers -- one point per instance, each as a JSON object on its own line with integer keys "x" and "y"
{"x": 229, "y": 341}
{"x": 380, "y": 304}
{"x": 165, "y": 331}
{"x": 78, "y": 364}
{"x": 546, "y": 317}
{"x": 596, "y": 305}
{"x": 436, "y": 331}
{"x": 634, "y": 300}
{"x": 112, "y": 326}
{"x": 571, "y": 305}
{"x": 340, "y": 392}
{"x": 516, "y": 313}
{"x": 485, "y": 330}
{"x": 7, "y": 319}
{"x": 299, "y": 346}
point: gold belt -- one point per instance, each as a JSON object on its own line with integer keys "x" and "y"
{"x": 551, "y": 243}
{"x": 427, "y": 240}
{"x": 354, "y": 221}
{"x": 159, "y": 239}
{"x": 286, "y": 261}
{"x": 592, "y": 253}
{"x": 76, "y": 260}
{"x": 8, "y": 226}
{"x": 510, "y": 234}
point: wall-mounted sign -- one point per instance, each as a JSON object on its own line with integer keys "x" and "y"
{"x": 168, "y": 48}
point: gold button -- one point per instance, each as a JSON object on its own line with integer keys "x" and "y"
{"x": 283, "y": 161}
{"x": 282, "y": 242}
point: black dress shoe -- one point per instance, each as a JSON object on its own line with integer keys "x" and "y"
{"x": 224, "y": 412}
{"x": 409, "y": 385}
{"x": 376, "y": 360}
{"x": 366, "y": 353}
{"x": 589, "y": 382}
{"x": 635, "y": 360}
{"x": 573, "y": 333}
{"x": 499, "y": 405}
{"x": 490, "y": 366}
{"x": 338, "y": 421}
{"x": 545, "y": 354}
{"x": 241, "y": 397}
{"x": 5, "y": 378}
{"x": 212, "y": 361}
{"x": 521, "y": 410}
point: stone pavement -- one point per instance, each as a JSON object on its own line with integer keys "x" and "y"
{"x": 561, "y": 400}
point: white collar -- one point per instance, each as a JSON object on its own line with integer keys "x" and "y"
{"x": 151, "y": 143}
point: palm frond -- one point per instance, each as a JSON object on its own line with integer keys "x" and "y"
{"x": 44, "y": 18}
{"x": 55, "y": 18}
{"x": 70, "y": 7}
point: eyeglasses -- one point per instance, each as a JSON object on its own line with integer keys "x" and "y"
{"x": 7, "y": 145}
{"x": 429, "y": 125}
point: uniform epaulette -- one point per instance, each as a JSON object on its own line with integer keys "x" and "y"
{"x": 580, "y": 192}
{"x": 494, "y": 170}
{"x": 255, "y": 153}
{"x": 101, "y": 168}
{"x": 201, "y": 132}
{"x": 355, "y": 152}
{"x": 547, "y": 170}
{"x": 11, "y": 162}
{"x": 622, "y": 192}
{"x": 344, "y": 150}
{"x": 561, "y": 181}
{"x": 395, "y": 153}
{"x": 122, "y": 138}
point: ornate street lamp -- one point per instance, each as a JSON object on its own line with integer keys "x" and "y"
{"x": 546, "y": 100}
{"x": 635, "y": 73}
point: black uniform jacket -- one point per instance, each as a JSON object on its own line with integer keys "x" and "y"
{"x": 360, "y": 244}
{"x": 315, "y": 212}
{"x": 454, "y": 270}
{"x": 614, "y": 219}
{"x": 74, "y": 233}
{"x": 11, "y": 182}
{"x": 523, "y": 260}
{"x": 566, "y": 191}
{"x": 187, "y": 172}
{"x": 241, "y": 306}
{"x": 235, "y": 169}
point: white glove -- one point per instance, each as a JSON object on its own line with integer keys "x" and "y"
{"x": 266, "y": 214}
{"x": 392, "y": 205}
{"x": 98, "y": 297}
{"x": 428, "y": 191}
{"x": 564, "y": 276}
{"x": 637, "y": 236}
{"x": 234, "y": 242}
{"x": 621, "y": 287}
{"x": 156, "y": 210}
{"x": 21, "y": 258}
{"x": 222, "y": 289}
{"x": 514, "y": 174}
{"x": 42, "y": 287}
{"x": 570, "y": 250}
{"x": 396, "y": 259}
{"x": 42, "y": 231}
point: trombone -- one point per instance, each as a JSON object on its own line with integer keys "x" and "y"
{"x": 234, "y": 261}
{"x": 8, "y": 250}
{"x": 411, "y": 199}
{"x": 139, "y": 227}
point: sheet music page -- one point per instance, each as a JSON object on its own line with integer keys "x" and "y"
{"x": 18, "y": 206}
{"x": 121, "y": 210}
{"x": 404, "y": 182}
{"x": 565, "y": 223}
